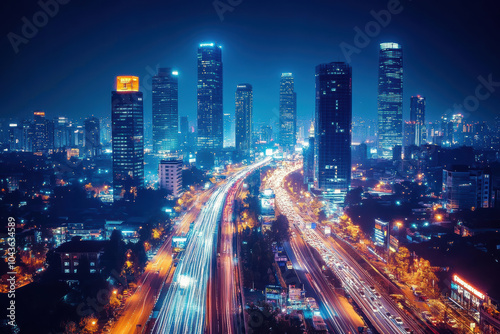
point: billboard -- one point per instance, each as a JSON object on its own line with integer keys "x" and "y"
{"x": 179, "y": 242}
{"x": 267, "y": 203}
{"x": 381, "y": 232}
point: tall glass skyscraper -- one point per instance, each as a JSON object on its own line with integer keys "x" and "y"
{"x": 127, "y": 119}
{"x": 243, "y": 115}
{"x": 288, "y": 113}
{"x": 184, "y": 132}
{"x": 41, "y": 132}
{"x": 417, "y": 118}
{"x": 210, "y": 113}
{"x": 92, "y": 141}
{"x": 165, "y": 111}
{"x": 390, "y": 98}
{"x": 332, "y": 144}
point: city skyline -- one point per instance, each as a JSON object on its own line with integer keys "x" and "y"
{"x": 232, "y": 167}
{"x": 463, "y": 79}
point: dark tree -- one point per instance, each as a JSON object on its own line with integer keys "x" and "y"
{"x": 353, "y": 197}
{"x": 280, "y": 229}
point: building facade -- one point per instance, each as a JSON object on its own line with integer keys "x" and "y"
{"x": 288, "y": 113}
{"x": 42, "y": 132}
{"x": 170, "y": 175}
{"x": 417, "y": 118}
{"x": 466, "y": 189}
{"x": 390, "y": 98}
{"x": 333, "y": 116}
{"x": 243, "y": 115}
{"x": 165, "y": 111}
{"x": 127, "y": 119}
{"x": 210, "y": 111}
{"x": 92, "y": 142}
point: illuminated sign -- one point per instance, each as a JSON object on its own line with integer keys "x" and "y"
{"x": 468, "y": 287}
{"x": 39, "y": 113}
{"x": 175, "y": 73}
{"x": 127, "y": 83}
{"x": 380, "y": 230}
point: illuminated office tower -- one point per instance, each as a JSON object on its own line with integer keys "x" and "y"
{"x": 15, "y": 137}
{"x": 63, "y": 133}
{"x": 390, "y": 98}
{"x": 42, "y": 131}
{"x": 92, "y": 141}
{"x": 210, "y": 113}
{"x": 288, "y": 113}
{"x": 333, "y": 117}
{"x": 417, "y": 117}
{"x": 165, "y": 111}
{"x": 243, "y": 115}
{"x": 228, "y": 129}
{"x": 184, "y": 133}
{"x": 127, "y": 120}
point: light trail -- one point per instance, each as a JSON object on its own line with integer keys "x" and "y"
{"x": 184, "y": 307}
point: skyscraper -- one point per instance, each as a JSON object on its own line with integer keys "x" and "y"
{"x": 165, "y": 111}
{"x": 92, "y": 142}
{"x": 41, "y": 132}
{"x": 390, "y": 98}
{"x": 228, "y": 129}
{"x": 417, "y": 117}
{"x": 63, "y": 133}
{"x": 127, "y": 120}
{"x": 243, "y": 114}
{"x": 332, "y": 145}
{"x": 210, "y": 119}
{"x": 288, "y": 112}
{"x": 184, "y": 132}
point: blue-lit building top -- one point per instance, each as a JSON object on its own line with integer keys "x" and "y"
{"x": 127, "y": 141}
{"x": 210, "y": 111}
{"x": 288, "y": 113}
{"x": 390, "y": 98}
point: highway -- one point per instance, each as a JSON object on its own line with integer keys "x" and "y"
{"x": 224, "y": 287}
{"x": 185, "y": 306}
{"x": 378, "y": 307}
{"x": 139, "y": 305}
{"x": 339, "y": 316}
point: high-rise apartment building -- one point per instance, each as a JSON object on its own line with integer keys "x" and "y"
{"x": 243, "y": 115}
{"x": 170, "y": 176}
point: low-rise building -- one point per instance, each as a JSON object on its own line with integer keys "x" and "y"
{"x": 78, "y": 255}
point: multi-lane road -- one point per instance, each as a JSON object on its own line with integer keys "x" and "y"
{"x": 185, "y": 306}
{"x": 377, "y": 306}
{"x": 139, "y": 305}
{"x": 225, "y": 291}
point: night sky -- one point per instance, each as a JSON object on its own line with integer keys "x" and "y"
{"x": 68, "y": 68}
